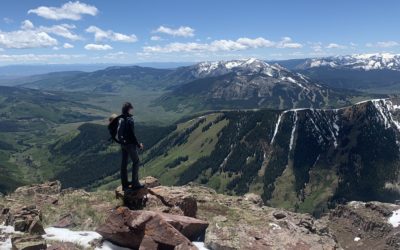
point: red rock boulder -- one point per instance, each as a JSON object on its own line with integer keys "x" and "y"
{"x": 151, "y": 230}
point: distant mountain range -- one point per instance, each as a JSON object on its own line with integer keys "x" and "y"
{"x": 250, "y": 83}
{"x": 36, "y": 69}
{"x": 379, "y": 73}
{"x": 383, "y": 61}
{"x": 366, "y": 62}
{"x": 23, "y": 70}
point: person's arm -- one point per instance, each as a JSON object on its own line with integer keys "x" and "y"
{"x": 132, "y": 127}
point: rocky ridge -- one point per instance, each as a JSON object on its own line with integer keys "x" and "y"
{"x": 172, "y": 217}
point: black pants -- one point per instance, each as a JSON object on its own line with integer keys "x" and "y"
{"x": 129, "y": 151}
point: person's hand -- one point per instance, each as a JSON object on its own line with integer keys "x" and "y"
{"x": 141, "y": 146}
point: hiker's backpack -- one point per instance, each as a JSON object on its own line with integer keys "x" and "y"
{"x": 118, "y": 130}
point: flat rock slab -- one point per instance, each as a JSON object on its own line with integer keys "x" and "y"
{"x": 65, "y": 221}
{"x": 193, "y": 229}
{"x": 150, "y": 230}
{"x": 174, "y": 200}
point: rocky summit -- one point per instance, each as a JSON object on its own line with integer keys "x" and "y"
{"x": 181, "y": 218}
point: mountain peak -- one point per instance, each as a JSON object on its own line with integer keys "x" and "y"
{"x": 230, "y": 64}
{"x": 249, "y": 65}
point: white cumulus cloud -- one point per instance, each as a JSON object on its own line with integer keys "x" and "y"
{"x": 384, "y": 44}
{"x": 27, "y": 25}
{"x": 92, "y": 46}
{"x": 68, "y": 46}
{"x": 155, "y": 38}
{"x": 335, "y": 46}
{"x": 183, "y": 31}
{"x": 63, "y": 30}
{"x": 287, "y": 42}
{"x": 22, "y": 58}
{"x": 24, "y": 39}
{"x": 69, "y": 10}
{"x": 221, "y": 45}
{"x": 100, "y": 34}
{"x": 255, "y": 43}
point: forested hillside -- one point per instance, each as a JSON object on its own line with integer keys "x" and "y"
{"x": 301, "y": 159}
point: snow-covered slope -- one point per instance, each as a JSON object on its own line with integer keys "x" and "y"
{"x": 216, "y": 68}
{"x": 366, "y": 62}
{"x": 243, "y": 66}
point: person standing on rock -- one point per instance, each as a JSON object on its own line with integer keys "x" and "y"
{"x": 122, "y": 129}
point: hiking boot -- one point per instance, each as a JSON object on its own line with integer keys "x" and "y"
{"x": 138, "y": 186}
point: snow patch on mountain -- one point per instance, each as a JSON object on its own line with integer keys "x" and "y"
{"x": 290, "y": 79}
{"x": 293, "y": 131}
{"x": 82, "y": 238}
{"x": 247, "y": 66}
{"x": 329, "y": 131}
{"x": 385, "y": 108}
{"x": 216, "y": 68}
{"x": 278, "y": 123}
{"x": 395, "y": 218}
{"x": 6, "y": 243}
{"x": 336, "y": 128}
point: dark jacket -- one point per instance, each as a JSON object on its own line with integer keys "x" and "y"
{"x": 130, "y": 136}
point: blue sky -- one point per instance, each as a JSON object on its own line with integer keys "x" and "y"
{"x": 183, "y": 31}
